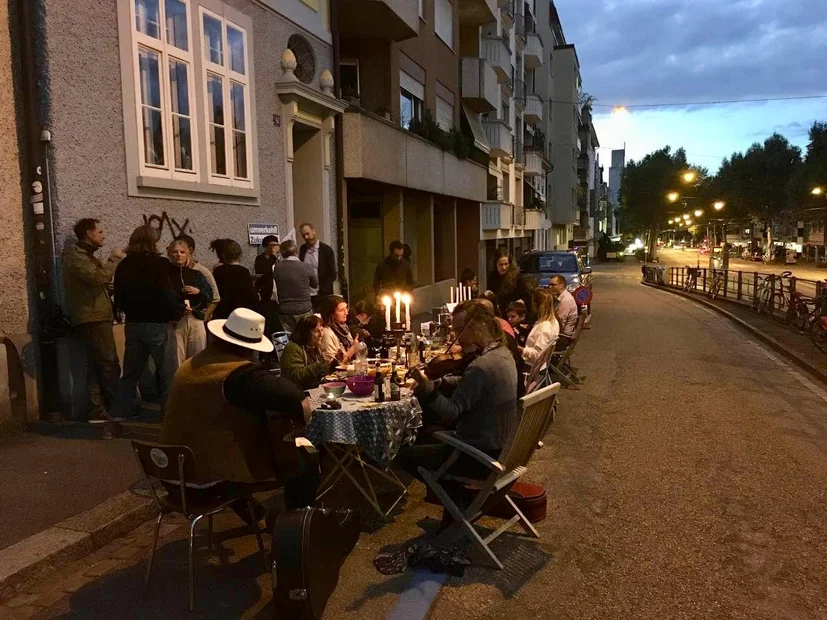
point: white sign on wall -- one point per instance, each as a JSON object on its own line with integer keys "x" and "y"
{"x": 257, "y": 232}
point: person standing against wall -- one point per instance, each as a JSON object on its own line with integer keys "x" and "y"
{"x": 204, "y": 271}
{"x": 266, "y": 285}
{"x": 321, "y": 257}
{"x": 86, "y": 282}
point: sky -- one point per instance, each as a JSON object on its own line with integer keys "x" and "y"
{"x": 636, "y": 52}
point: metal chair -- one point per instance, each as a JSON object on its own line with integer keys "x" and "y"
{"x": 535, "y": 411}
{"x": 175, "y": 465}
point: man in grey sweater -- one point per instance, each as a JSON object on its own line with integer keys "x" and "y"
{"x": 481, "y": 404}
{"x": 294, "y": 282}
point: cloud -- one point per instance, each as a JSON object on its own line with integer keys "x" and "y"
{"x": 644, "y": 51}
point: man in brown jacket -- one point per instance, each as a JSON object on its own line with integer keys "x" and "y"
{"x": 86, "y": 282}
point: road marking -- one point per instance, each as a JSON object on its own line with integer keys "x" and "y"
{"x": 415, "y": 601}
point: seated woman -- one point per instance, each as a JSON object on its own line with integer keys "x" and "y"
{"x": 366, "y": 318}
{"x": 301, "y": 360}
{"x": 482, "y": 403}
{"x": 545, "y": 331}
{"x": 337, "y": 341}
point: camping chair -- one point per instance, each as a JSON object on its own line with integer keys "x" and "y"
{"x": 533, "y": 415}
{"x": 175, "y": 465}
{"x": 559, "y": 365}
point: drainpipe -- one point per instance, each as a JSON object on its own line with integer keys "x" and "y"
{"x": 35, "y": 170}
{"x": 340, "y": 152}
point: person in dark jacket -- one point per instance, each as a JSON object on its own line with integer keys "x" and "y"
{"x": 144, "y": 293}
{"x": 508, "y": 284}
{"x": 268, "y": 295}
{"x": 369, "y": 321}
{"x": 235, "y": 284}
{"x": 301, "y": 360}
{"x": 393, "y": 273}
{"x": 321, "y": 257}
{"x": 295, "y": 281}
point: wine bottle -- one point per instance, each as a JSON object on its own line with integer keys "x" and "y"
{"x": 394, "y": 388}
{"x": 378, "y": 386}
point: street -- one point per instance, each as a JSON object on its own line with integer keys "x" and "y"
{"x": 686, "y": 479}
{"x": 692, "y": 257}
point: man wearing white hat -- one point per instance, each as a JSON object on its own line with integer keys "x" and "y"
{"x": 219, "y": 405}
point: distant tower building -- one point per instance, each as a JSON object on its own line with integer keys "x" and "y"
{"x": 615, "y": 174}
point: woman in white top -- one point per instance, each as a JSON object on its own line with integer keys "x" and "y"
{"x": 545, "y": 331}
{"x": 337, "y": 342}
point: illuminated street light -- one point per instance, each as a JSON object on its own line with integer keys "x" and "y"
{"x": 686, "y": 216}
{"x": 817, "y": 191}
{"x": 689, "y": 222}
{"x": 719, "y": 205}
{"x": 673, "y": 196}
{"x": 698, "y": 213}
{"x": 670, "y": 221}
{"x": 690, "y": 176}
{"x": 619, "y": 110}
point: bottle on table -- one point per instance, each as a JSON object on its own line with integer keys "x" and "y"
{"x": 394, "y": 387}
{"x": 378, "y": 385}
{"x": 421, "y": 348}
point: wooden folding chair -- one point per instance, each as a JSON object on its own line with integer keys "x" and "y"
{"x": 534, "y": 415}
{"x": 559, "y": 365}
{"x": 175, "y": 465}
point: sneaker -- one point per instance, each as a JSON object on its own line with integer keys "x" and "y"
{"x": 99, "y": 417}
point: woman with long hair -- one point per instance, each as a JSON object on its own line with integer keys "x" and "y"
{"x": 546, "y": 330}
{"x": 507, "y": 283}
{"x": 337, "y": 341}
{"x": 302, "y": 361}
{"x": 188, "y": 336}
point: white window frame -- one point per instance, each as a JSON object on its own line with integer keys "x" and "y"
{"x": 446, "y": 37}
{"x": 228, "y": 76}
{"x": 166, "y": 52}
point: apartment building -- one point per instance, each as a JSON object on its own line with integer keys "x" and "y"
{"x": 589, "y": 178}
{"x": 413, "y": 168}
{"x": 615, "y": 176}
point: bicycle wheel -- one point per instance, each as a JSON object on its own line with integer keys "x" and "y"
{"x": 778, "y": 307}
{"x": 818, "y": 334}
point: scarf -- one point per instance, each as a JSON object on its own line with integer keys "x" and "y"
{"x": 343, "y": 334}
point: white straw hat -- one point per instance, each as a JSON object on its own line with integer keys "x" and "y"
{"x": 244, "y": 328}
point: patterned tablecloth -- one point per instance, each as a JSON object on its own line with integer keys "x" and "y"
{"x": 380, "y": 429}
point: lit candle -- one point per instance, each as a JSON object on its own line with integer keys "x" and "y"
{"x": 452, "y": 294}
{"x": 398, "y": 296}
{"x": 386, "y": 301}
{"x": 459, "y": 294}
{"x": 407, "y": 300}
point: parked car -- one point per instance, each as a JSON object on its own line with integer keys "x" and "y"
{"x": 543, "y": 264}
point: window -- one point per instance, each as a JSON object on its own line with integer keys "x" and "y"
{"x": 226, "y": 82}
{"x": 411, "y": 100}
{"x": 506, "y": 112}
{"x": 444, "y": 114}
{"x": 444, "y": 21}
{"x": 164, "y": 89}
{"x": 349, "y": 78}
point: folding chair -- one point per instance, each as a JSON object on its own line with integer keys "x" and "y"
{"x": 534, "y": 414}
{"x": 559, "y": 364}
{"x": 175, "y": 465}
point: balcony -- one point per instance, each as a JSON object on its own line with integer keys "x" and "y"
{"x": 496, "y": 215}
{"x": 534, "y": 219}
{"x": 507, "y": 15}
{"x": 498, "y": 134}
{"x": 379, "y": 150}
{"x": 496, "y": 53}
{"x": 519, "y": 154}
{"x": 393, "y": 20}
{"x": 480, "y": 87}
{"x": 533, "y": 113}
{"x": 533, "y": 54}
{"x": 519, "y": 31}
{"x": 477, "y": 12}
{"x": 535, "y": 164}
{"x": 519, "y": 94}
{"x": 518, "y": 216}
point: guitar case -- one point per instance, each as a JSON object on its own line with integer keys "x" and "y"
{"x": 309, "y": 547}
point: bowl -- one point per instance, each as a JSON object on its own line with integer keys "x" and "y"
{"x": 336, "y": 388}
{"x": 360, "y": 386}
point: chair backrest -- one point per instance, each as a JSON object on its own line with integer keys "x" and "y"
{"x": 165, "y": 462}
{"x": 280, "y": 340}
{"x": 577, "y": 330}
{"x": 535, "y": 378}
{"x": 534, "y": 413}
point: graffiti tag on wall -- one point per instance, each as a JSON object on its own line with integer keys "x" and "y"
{"x": 164, "y": 222}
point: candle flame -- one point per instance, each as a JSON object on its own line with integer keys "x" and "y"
{"x": 397, "y": 295}
{"x": 386, "y": 300}
{"x": 406, "y": 299}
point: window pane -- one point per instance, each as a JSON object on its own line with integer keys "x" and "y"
{"x": 235, "y": 42}
{"x": 215, "y": 100}
{"x": 218, "y": 149}
{"x": 153, "y": 137}
{"x": 179, "y": 90}
{"x": 213, "y": 44}
{"x": 237, "y": 98}
{"x": 240, "y": 153}
{"x": 150, "y": 78}
{"x": 177, "y": 24}
{"x": 182, "y": 138}
{"x": 147, "y": 17}
{"x": 406, "y": 110}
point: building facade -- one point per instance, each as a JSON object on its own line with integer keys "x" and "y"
{"x": 615, "y": 177}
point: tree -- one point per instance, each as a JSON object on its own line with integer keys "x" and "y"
{"x": 813, "y": 172}
{"x": 643, "y": 189}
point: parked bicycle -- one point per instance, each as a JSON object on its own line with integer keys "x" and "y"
{"x": 801, "y": 310}
{"x": 690, "y": 282}
{"x": 718, "y": 284}
{"x": 818, "y": 328}
{"x": 769, "y": 297}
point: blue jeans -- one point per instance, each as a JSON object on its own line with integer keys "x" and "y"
{"x": 142, "y": 341}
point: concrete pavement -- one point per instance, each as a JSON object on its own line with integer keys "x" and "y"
{"x": 685, "y": 479}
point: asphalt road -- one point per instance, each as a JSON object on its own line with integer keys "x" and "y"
{"x": 685, "y": 480}
{"x": 691, "y": 257}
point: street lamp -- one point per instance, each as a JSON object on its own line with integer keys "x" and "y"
{"x": 719, "y": 205}
{"x": 673, "y": 196}
{"x": 817, "y": 191}
{"x": 686, "y": 216}
{"x": 670, "y": 221}
{"x": 689, "y": 176}
{"x": 698, "y": 213}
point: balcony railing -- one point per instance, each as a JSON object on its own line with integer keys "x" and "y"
{"x": 507, "y": 15}
{"x": 533, "y": 163}
{"x": 518, "y": 217}
{"x": 480, "y": 88}
{"x": 519, "y": 93}
{"x": 519, "y": 31}
{"x": 533, "y": 109}
{"x": 533, "y": 54}
{"x": 498, "y": 134}
{"x": 533, "y": 219}
{"x": 495, "y": 215}
{"x": 498, "y": 55}
{"x": 519, "y": 153}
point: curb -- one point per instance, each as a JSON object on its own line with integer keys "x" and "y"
{"x": 768, "y": 340}
{"x": 51, "y": 549}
